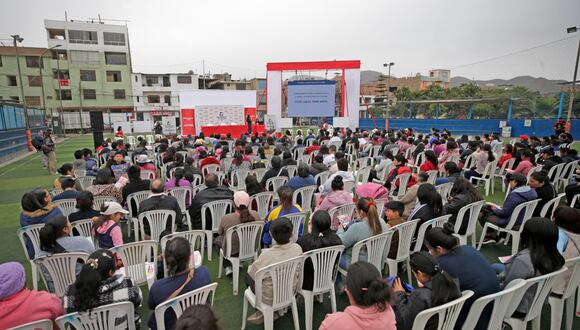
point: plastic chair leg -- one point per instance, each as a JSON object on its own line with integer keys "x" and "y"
{"x": 295, "y": 315}
{"x": 569, "y": 310}
{"x": 236, "y": 276}
{"x": 268, "y": 319}
{"x": 483, "y": 232}
{"x": 244, "y": 312}
{"x": 34, "y": 275}
{"x": 220, "y": 266}
{"x": 308, "y": 308}
{"x": 333, "y": 299}
{"x": 392, "y": 267}
{"x": 209, "y": 236}
{"x": 410, "y": 277}
{"x": 556, "y": 310}
{"x": 515, "y": 243}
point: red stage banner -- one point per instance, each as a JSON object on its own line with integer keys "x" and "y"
{"x": 188, "y": 121}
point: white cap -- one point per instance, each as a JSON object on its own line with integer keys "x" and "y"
{"x": 114, "y": 207}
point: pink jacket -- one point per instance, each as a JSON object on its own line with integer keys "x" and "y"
{"x": 355, "y": 317}
{"x": 116, "y": 234}
{"x": 523, "y": 167}
{"x": 334, "y": 199}
{"x": 29, "y": 306}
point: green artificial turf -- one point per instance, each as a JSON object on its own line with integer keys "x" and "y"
{"x": 27, "y": 173}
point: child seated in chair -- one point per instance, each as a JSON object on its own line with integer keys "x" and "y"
{"x": 282, "y": 249}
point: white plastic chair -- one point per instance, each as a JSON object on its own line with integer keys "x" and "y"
{"x": 200, "y": 296}
{"x": 500, "y": 302}
{"x": 36, "y": 325}
{"x": 133, "y": 201}
{"x": 157, "y": 220}
{"x": 447, "y": 313}
{"x": 325, "y": 268}
{"x": 100, "y": 318}
{"x": 437, "y": 222}
{"x": 406, "y": 231}
{"x": 418, "y": 161}
{"x": 474, "y": 209}
{"x": 403, "y": 181}
{"x": 135, "y": 256}
{"x": 192, "y": 236}
{"x": 380, "y": 204}
{"x": 147, "y": 175}
{"x": 31, "y": 232}
{"x": 306, "y": 195}
{"x": 273, "y": 184}
{"x": 555, "y": 173}
{"x": 85, "y": 181}
{"x": 488, "y": 177}
{"x": 100, "y": 200}
{"x": 259, "y": 173}
{"x": 543, "y": 286}
{"x": 226, "y": 164}
{"x": 528, "y": 209}
{"x": 349, "y": 186}
{"x": 239, "y": 179}
{"x": 292, "y": 169}
{"x": 567, "y": 299}
{"x": 286, "y": 277}
{"x": 261, "y": 203}
{"x": 551, "y": 206}
{"x": 298, "y": 220}
{"x": 211, "y": 168}
{"x": 83, "y": 227}
{"x": 217, "y": 210}
{"x": 62, "y": 269}
{"x": 66, "y": 206}
{"x": 532, "y": 170}
{"x": 444, "y": 190}
{"x": 321, "y": 177}
{"x": 376, "y": 247}
{"x": 362, "y": 175}
{"x": 432, "y": 176}
{"x": 346, "y": 209}
{"x": 566, "y": 175}
{"x": 249, "y": 235}
{"x": 183, "y": 195}
{"x": 501, "y": 173}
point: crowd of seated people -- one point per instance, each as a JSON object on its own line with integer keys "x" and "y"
{"x": 443, "y": 268}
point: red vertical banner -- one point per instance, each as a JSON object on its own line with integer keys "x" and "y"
{"x": 188, "y": 121}
{"x": 251, "y": 112}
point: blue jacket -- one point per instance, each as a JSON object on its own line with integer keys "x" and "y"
{"x": 92, "y": 167}
{"x": 515, "y": 198}
{"x": 37, "y": 217}
{"x": 298, "y": 182}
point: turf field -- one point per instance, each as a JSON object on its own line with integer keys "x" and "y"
{"x": 27, "y": 173}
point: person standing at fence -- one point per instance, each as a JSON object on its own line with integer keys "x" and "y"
{"x": 37, "y": 142}
{"x": 48, "y": 148}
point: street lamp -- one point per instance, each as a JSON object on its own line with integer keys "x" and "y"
{"x": 572, "y": 29}
{"x": 40, "y": 61}
{"x": 388, "y": 65}
{"x": 16, "y": 40}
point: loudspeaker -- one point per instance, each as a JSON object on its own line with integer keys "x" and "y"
{"x": 98, "y": 139}
{"x": 97, "y": 121}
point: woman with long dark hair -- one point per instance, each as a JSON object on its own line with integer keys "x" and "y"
{"x": 538, "y": 255}
{"x": 463, "y": 193}
{"x": 85, "y": 207}
{"x": 481, "y": 157}
{"x": 198, "y": 317}
{"x": 286, "y": 206}
{"x": 319, "y": 236}
{"x": 430, "y": 163}
{"x": 253, "y": 186}
{"x": 182, "y": 279}
{"x": 37, "y": 208}
{"x": 430, "y": 205}
{"x": 437, "y": 288}
{"x": 466, "y": 264}
{"x": 98, "y": 284}
{"x": 369, "y": 296}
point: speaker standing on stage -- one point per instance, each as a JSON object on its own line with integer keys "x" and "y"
{"x": 249, "y": 121}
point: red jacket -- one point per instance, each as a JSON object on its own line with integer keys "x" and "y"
{"x": 428, "y": 166}
{"x": 311, "y": 149}
{"x": 207, "y": 161}
{"x": 401, "y": 170}
{"x": 29, "y": 306}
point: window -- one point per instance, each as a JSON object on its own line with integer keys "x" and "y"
{"x": 84, "y": 57}
{"x": 136, "y": 78}
{"x": 113, "y": 76}
{"x": 32, "y": 101}
{"x": 240, "y": 87}
{"x": 82, "y": 37}
{"x": 12, "y": 81}
{"x": 116, "y": 58}
{"x": 184, "y": 79}
{"x": 59, "y": 54}
{"x": 89, "y": 94}
{"x": 65, "y": 94}
{"x": 112, "y": 38}
{"x": 153, "y": 99}
{"x": 56, "y": 34}
{"x": 32, "y": 62}
{"x": 138, "y": 99}
{"x": 62, "y": 74}
{"x": 140, "y": 116}
{"x": 34, "y": 81}
{"x": 88, "y": 75}
{"x": 167, "y": 99}
{"x": 151, "y": 80}
{"x": 119, "y": 94}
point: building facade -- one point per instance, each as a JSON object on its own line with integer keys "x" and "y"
{"x": 91, "y": 71}
{"x": 157, "y": 95}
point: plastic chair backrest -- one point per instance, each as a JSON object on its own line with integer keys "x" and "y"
{"x": 100, "y": 318}
{"x": 573, "y": 265}
{"x": 527, "y": 208}
{"x": 100, "y": 200}
{"x": 259, "y": 173}
{"x": 157, "y": 220}
{"x": 363, "y": 174}
{"x": 62, "y": 269}
{"x": 134, "y": 256}
{"x": 380, "y": 204}
{"x": 32, "y": 232}
{"x": 286, "y": 278}
{"x": 249, "y": 235}
{"x": 403, "y": 181}
{"x": 36, "y": 325}
{"x": 292, "y": 169}
{"x": 211, "y": 168}
{"x": 406, "y": 231}
{"x": 349, "y": 186}
{"x": 321, "y": 177}
{"x": 239, "y": 178}
{"x": 217, "y": 210}
{"x": 192, "y": 236}
{"x": 447, "y": 313}
{"x": 147, "y": 175}
{"x": 437, "y": 222}
{"x": 306, "y": 197}
{"x": 420, "y": 159}
{"x": 83, "y": 227}
{"x": 474, "y": 209}
{"x": 200, "y": 296}
{"x": 85, "y": 181}
{"x": 444, "y": 190}
{"x": 298, "y": 220}
{"x": 375, "y": 247}
{"x": 272, "y": 184}
{"x": 66, "y": 206}
{"x": 182, "y": 194}
{"x": 500, "y": 302}
{"x": 261, "y": 203}
{"x": 325, "y": 267}
{"x": 346, "y": 209}
{"x": 134, "y": 199}
{"x": 551, "y": 205}
{"x": 555, "y": 171}
{"x": 432, "y": 176}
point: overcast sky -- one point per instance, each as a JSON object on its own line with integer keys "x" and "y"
{"x": 242, "y": 36}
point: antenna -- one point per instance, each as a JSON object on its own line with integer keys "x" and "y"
{"x": 103, "y": 20}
